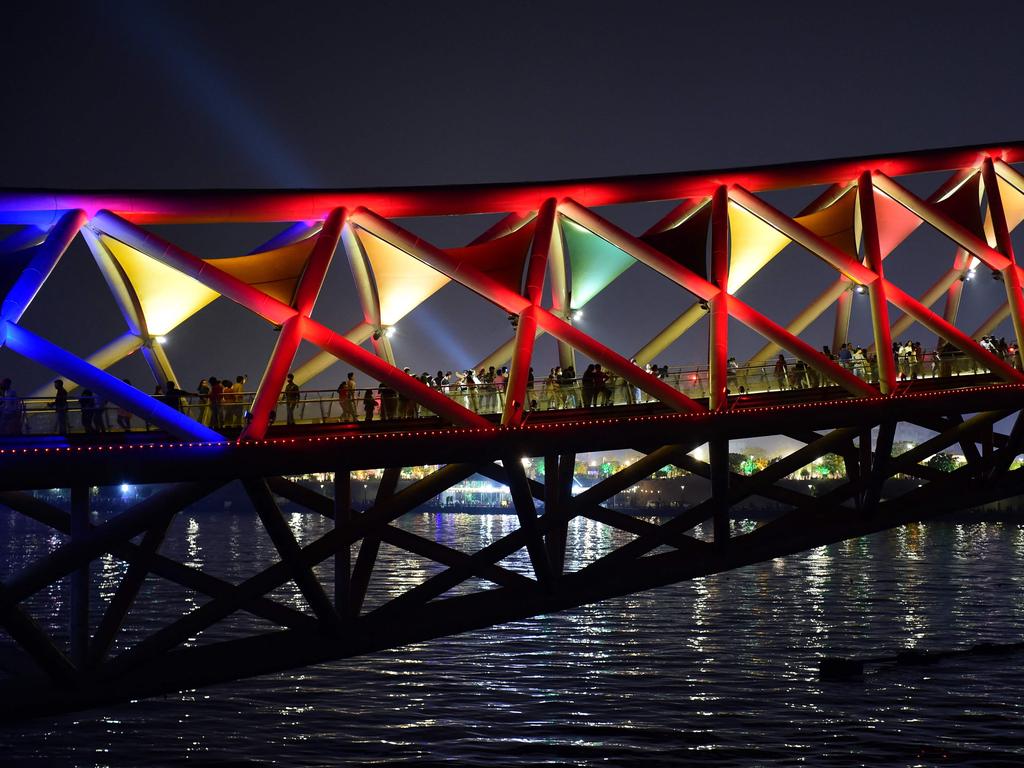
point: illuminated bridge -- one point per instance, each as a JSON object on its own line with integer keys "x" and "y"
{"x": 552, "y": 251}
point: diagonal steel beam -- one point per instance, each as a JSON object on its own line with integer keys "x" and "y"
{"x": 128, "y": 590}
{"x": 34, "y": 640}
{"x": 77, "y": 554}
{"x": 173, "y": 571}
{"x": 288, "y": 548}
{"x": 397, "y": 537}
{"x": 367, "y": 557}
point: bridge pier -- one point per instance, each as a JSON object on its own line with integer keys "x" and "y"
{"x": 718, "y": 452}
{"x": 343, "y": 557}
{"x": 78, "y": 581}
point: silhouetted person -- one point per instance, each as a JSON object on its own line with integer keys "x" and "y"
{"x": 87, "y": 409}
{"x": 369, "y": 404}
{"x": 172, "y": 396}
{"x": 60, "y": 406}
{"x": 10, "y": 409}
{"x": 588, "y": 386}
{"x": 216, "y": 401}
{"x": 291, "y": 397}
{"x": 347, "y": 398}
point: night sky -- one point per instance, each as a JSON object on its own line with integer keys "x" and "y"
{"x": 264, "y": 95}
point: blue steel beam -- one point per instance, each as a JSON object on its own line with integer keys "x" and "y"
{"x": 36, "y": 348}
{"x": 41, "y": 265}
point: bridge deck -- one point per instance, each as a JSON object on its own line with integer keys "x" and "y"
{"x": 141, "y": 457}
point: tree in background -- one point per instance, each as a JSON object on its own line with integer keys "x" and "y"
{"x": 943, "y": 462}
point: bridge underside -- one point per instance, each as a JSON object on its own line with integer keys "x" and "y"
{"x": 93, "y": 666}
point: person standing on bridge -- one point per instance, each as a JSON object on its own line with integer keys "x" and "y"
{"x": 60, "y": 406}
{"x": 203, "y": 390}
{"x": 347, "y": 397}
{"x": 291, "y": 398}
{"x": 602, "y": 390}
{"x": 173, "y": 397}
{"x": 370, "y": 404}
{"x": 227, "y": 402}
{"x": 731, "y": 378}
{"x": 860, "y": 364}
{"x": 388, "y": 402}
{"x": 845, "y": 356}
{"x": 588, "y": 386}
{"x": 781, "y": 372}
{"x": 799, "y": 374}
{"x": 569, "y": 389}
{"x": 10, "y": 409}
{"x": 498, "y": 382}
{"x": 87, "y": 411}
{"x": 216, "y": 399}
{"x": 99, "y": 416}
{"x": 238, "y": 392}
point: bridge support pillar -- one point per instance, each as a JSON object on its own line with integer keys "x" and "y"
{"x": 343, "y": 557}
{"x": 718, "y": 451}
{"x": 558, "y": 476}
{"x": 844, "y": 307}
{"x": 78, "y": 602}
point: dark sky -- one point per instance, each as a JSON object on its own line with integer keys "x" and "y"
{"x": 225, "y": 94}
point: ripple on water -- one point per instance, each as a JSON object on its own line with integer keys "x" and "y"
{"x": 718, "y": 671}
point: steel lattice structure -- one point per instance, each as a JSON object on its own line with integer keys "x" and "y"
{"x": 550, "y": 233}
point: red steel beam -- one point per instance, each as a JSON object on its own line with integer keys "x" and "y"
{"x": 41, "y": 207}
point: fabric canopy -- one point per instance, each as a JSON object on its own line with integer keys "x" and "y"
{"x": 895, "y": 223}
{"x": 403, "y": 282}
{"x": 1013, "y": 207}
{"x": 963, "y": 205}
{"x": 753, "y": 243}
{"x": 593, "y": 261}
{"x": 275, "y": 272}
{"x": 687, "y": 242}
{"x": 166, "y": 296}
{"x": 836, "y": 223}
{"x": 503, "y": 258}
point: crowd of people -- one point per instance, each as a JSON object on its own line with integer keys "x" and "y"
{"x": 223, "y": 403}
{"x": 484, "y": 391}
{"x": 911, "y": 360}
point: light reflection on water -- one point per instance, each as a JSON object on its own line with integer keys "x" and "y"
{"x": 717, "y": 671}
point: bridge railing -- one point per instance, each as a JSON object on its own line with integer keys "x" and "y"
{"x": 319, "y": 406}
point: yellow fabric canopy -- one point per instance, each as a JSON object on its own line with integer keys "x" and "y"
{"x": 166, "y": 296}
{"x": 276, "y": 272}
{"x": 835, "y": 224}
{"x": 403, "y": 282}
{"x": 753, "y": 243}
{"x": 1013, "y": 207}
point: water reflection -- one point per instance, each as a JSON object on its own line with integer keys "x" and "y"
{"x": 695, "y": 672}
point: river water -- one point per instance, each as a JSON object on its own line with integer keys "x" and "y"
{"x": 717, "y": 671}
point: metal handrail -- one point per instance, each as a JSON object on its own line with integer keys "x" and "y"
{"x": 323, "y": 406}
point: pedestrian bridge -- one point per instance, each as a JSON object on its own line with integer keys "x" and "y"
{"x": 550, "y": 253}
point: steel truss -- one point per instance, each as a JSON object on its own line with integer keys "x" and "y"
{"x": 334, "y": 622}
{"x": 852, "y": 226}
